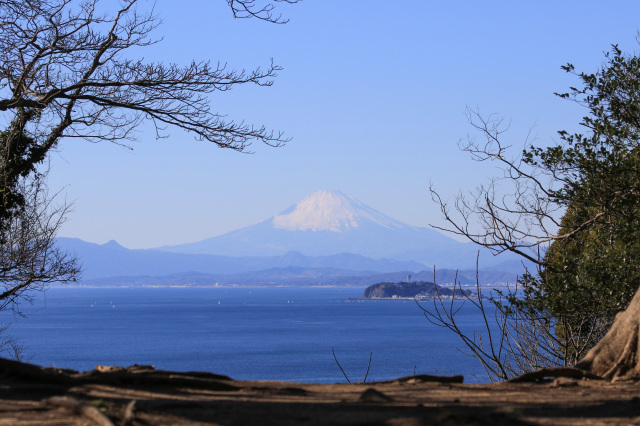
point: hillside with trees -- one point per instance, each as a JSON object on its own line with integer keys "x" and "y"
{"x": 573, "y": 209}
{"x": 415, "y": 289}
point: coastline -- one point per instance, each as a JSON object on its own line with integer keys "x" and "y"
{"x": 418, "y": 299}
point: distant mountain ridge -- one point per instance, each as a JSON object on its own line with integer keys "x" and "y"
{"x": 328, "y": 238}
{"x": 111, "y": 264}
{"x": 111, "y": 259}
{"x": 330, "y": 222}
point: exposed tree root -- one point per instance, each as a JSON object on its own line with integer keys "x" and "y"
{"x": 617, "y": 355}
{"x": 544, "y": 374}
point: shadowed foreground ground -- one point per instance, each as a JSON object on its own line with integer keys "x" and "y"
{"x": 139, "y": 395}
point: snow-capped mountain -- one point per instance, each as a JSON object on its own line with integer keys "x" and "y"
{"x": 331, "y": 211}
{"x": 330, "y": 222}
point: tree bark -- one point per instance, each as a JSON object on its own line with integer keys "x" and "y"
{"x": 617, "y": 355}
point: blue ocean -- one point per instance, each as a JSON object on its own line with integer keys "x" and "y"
{"x": 246, "y": 333}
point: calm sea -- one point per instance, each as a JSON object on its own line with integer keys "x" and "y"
{"x": 245, "y": 333}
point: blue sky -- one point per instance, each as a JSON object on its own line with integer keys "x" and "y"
{"x": 373, "y": 94}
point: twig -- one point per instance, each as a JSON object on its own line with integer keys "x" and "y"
{"x": 368, "y": 367}
{"x": 340, "y": 367}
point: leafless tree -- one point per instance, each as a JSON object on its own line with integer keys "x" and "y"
{"x": 572, "y": 210}
{"x": 519, "y": 212}
{"x": 514, "y": 340}
{"x": 29, "y": 257}
{"x": 10, "y": 346}
{"x": 514, "y": 212}
{"x": 68, "y": 70}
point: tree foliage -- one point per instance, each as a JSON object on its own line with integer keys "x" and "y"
{"x": 591, "y": 271}
{"x": 574, "y": 211}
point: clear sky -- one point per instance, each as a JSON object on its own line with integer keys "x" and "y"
{"x": 373, "y": 94}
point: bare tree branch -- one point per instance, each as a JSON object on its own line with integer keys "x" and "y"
{"x": 64, "y": 72}
{"x": 252, "y": 9}
{"x": 519, "y": 212}
{"x": 29, "y": 258}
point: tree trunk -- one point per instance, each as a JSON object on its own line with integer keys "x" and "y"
{"x": 617, "y": 355}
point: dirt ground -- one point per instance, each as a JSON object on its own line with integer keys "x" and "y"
{"x": 140, "y": 395}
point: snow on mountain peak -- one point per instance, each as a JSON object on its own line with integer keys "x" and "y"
{"x": 331, "y": 211}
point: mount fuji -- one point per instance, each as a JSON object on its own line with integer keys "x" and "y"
{"x": 330, "y": 222}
